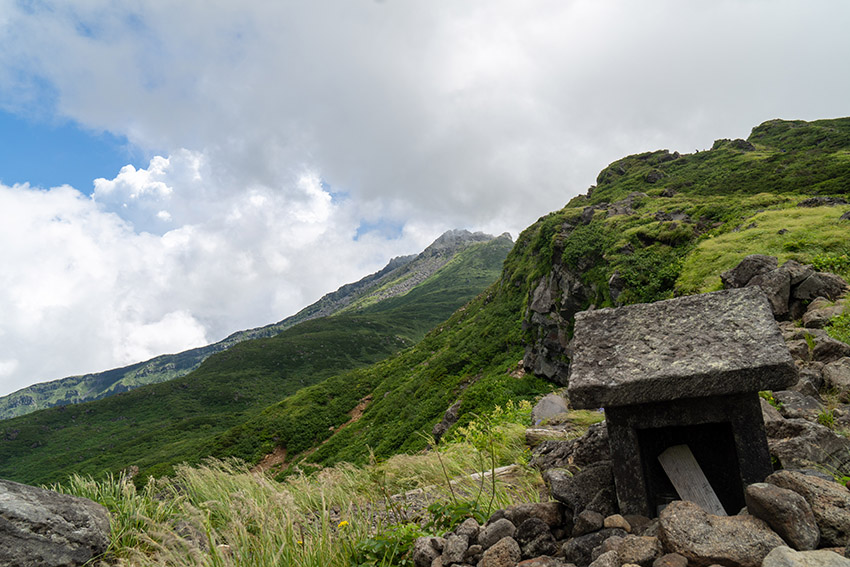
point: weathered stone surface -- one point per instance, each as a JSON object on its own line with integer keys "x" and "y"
{"x": 828, "y": 349}
{"x": 638, "y": 523}
{"x": 44, "y": 528}
{"x": 503, "y": 553}
{"x": 574, "y": 454}
{"x": 612, "y": 543}
{"x": 798, "y": 272}
{"x": 550, "y": 512}
{"x": 607, "y": 559}
{"x": 712, "y": 344}
{"x": 794, "y": 405}
{"x": 426, "y": 549}
{"x": 822, "y": 202}
{"x": 787, "y": 557}
{"x": 455, "y": 549}
{"x": 535, "y": 538}
{"x": 798, "y": 443}
{"x": 820, "y": 311}
{"x": 605, "y": 501}
{"x": 705, "y": 539}
{"x": 549, "y": 406}
{"x": 449, "y": 419}
{"x": 776, "y": 284}
{"x": 578, "y": 491}
{"x": 543, "y": 562}
{"x": 821, "y": 284}
{"x": 749, "y": 267}
{"x": 493, "y": 532}
{"x": 640, "y": 550}
{"x": 473, "y": 554}
{"x": 588, "y": 521}
{"x": 836, "y": 374}
{"x": 670, "y": 560}
{"x": 786, "y": 512}
{"x": 469, "y": 528}
{"x": 617, "y": 521}
{"x": 578, "y": 550}
{"x": 768, "y": 412}
{"x": 830, "y": 503}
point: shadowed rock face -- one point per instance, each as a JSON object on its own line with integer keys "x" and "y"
{"x": 44, "y": 528}
{"x": 712, "y": 344}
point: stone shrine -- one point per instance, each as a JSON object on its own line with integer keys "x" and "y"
{"x": 682, "y": 372}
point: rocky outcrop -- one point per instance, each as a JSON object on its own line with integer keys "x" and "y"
{"x": 42, "y": 528}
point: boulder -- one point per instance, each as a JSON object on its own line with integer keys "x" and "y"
{"x": 573, "y": 454}
{"x": 44, "y": 528}
{"x": 640, "y": 550}
{"x": 787, "y": 557}
{"x": 469, "y": 528}
{"x": 786, "y": 512}
{"x": 588, "y": 521}
{"x": 455, "y": 549}
{"x": 820, "y": 284}
{"x": 426, "y": 549}
{"x": 820, "y": 311}
{"x": 704, "y": 539}
{"x": 495, "y": 531}
{"x": 549, "y": 406}
{"x": 830, "y": 504}
{"x": 550, "y": 512}
{"x": 617, "y": 521}
{"x": 535, "y": 538}
{"x": 794, "y": 405}
{"x": 578, "y": 550}
{"x": 670, "y": 560}
{"x": 580, "y": 490}
{"x": 503, "y": 553}
{"x": 797, "y": 272}
{"x": 836, "y": 374}
{"x": 749, "y": 267}
{"x": 776, "y": 284}
{"x": 449, "y": 419}
{"x": 798, "y": 443}
{"x": 607, "y": 559}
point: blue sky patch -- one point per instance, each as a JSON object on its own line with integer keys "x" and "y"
{"x": 47, "y": 155}
{"x": 382, "y": 227}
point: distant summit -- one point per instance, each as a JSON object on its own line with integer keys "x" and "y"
{"x": 398, "y": 277}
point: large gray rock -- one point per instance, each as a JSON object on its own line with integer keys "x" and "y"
{"x": 455, "y": 549}
{"x": 579, "y": 550}
{"x": 577, "y": 492}
{"x": 836, "y": 374}
{"x": 726, "y": 342}
{"x": 552, "y": 513}
{"x": 788, "y": 513}
{"x": 820, "y": 311}
{"x": 830, "y": 503}
{"x": 776, "y": 284}
{"x": 574, "y": 454}
{"x": 704, "y": 539}
{"x": 549, "y": 406}
{"x": 503, "y": 553}
{"x": 821, "y": 284}
{"x": 794, "y": 405}
{"x": 426, "y": 549}
{"x": 799, "y": 443}
{"x": 493, "y": 532}
{"x": 787, "y": 557}
{"x": 749, "y": 267}
{"x": 44, "y": 528}
{"x": 640, "y": 550}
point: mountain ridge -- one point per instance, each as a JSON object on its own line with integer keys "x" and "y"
{"x": 406, "y": 271}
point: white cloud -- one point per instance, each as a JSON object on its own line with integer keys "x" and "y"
{"x": 420, "y": 115}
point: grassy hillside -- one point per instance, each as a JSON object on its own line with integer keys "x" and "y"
{"x": 696, "y": 216}
{"x": 656, "y": 225}
{"x": 156, "y": 426}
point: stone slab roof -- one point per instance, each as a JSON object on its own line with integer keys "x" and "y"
{"x": 725, "y": 342}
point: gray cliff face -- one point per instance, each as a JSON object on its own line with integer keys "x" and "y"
{"x": 552, "y": 306}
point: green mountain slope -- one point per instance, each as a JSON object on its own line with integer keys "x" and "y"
{"x": 157, "y": 425}
{"x": 657, "y": 225}
{"x": 397, "y": 277}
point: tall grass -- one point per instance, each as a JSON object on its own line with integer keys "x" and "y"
{"x": 220, "y": 514}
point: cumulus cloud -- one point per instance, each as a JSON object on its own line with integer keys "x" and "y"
{"x": 277, "y": 129}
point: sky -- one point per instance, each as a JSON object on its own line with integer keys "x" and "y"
{"x": 171, "y": 172}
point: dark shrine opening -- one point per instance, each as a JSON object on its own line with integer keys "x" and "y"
{"x": 713, "y": 447}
